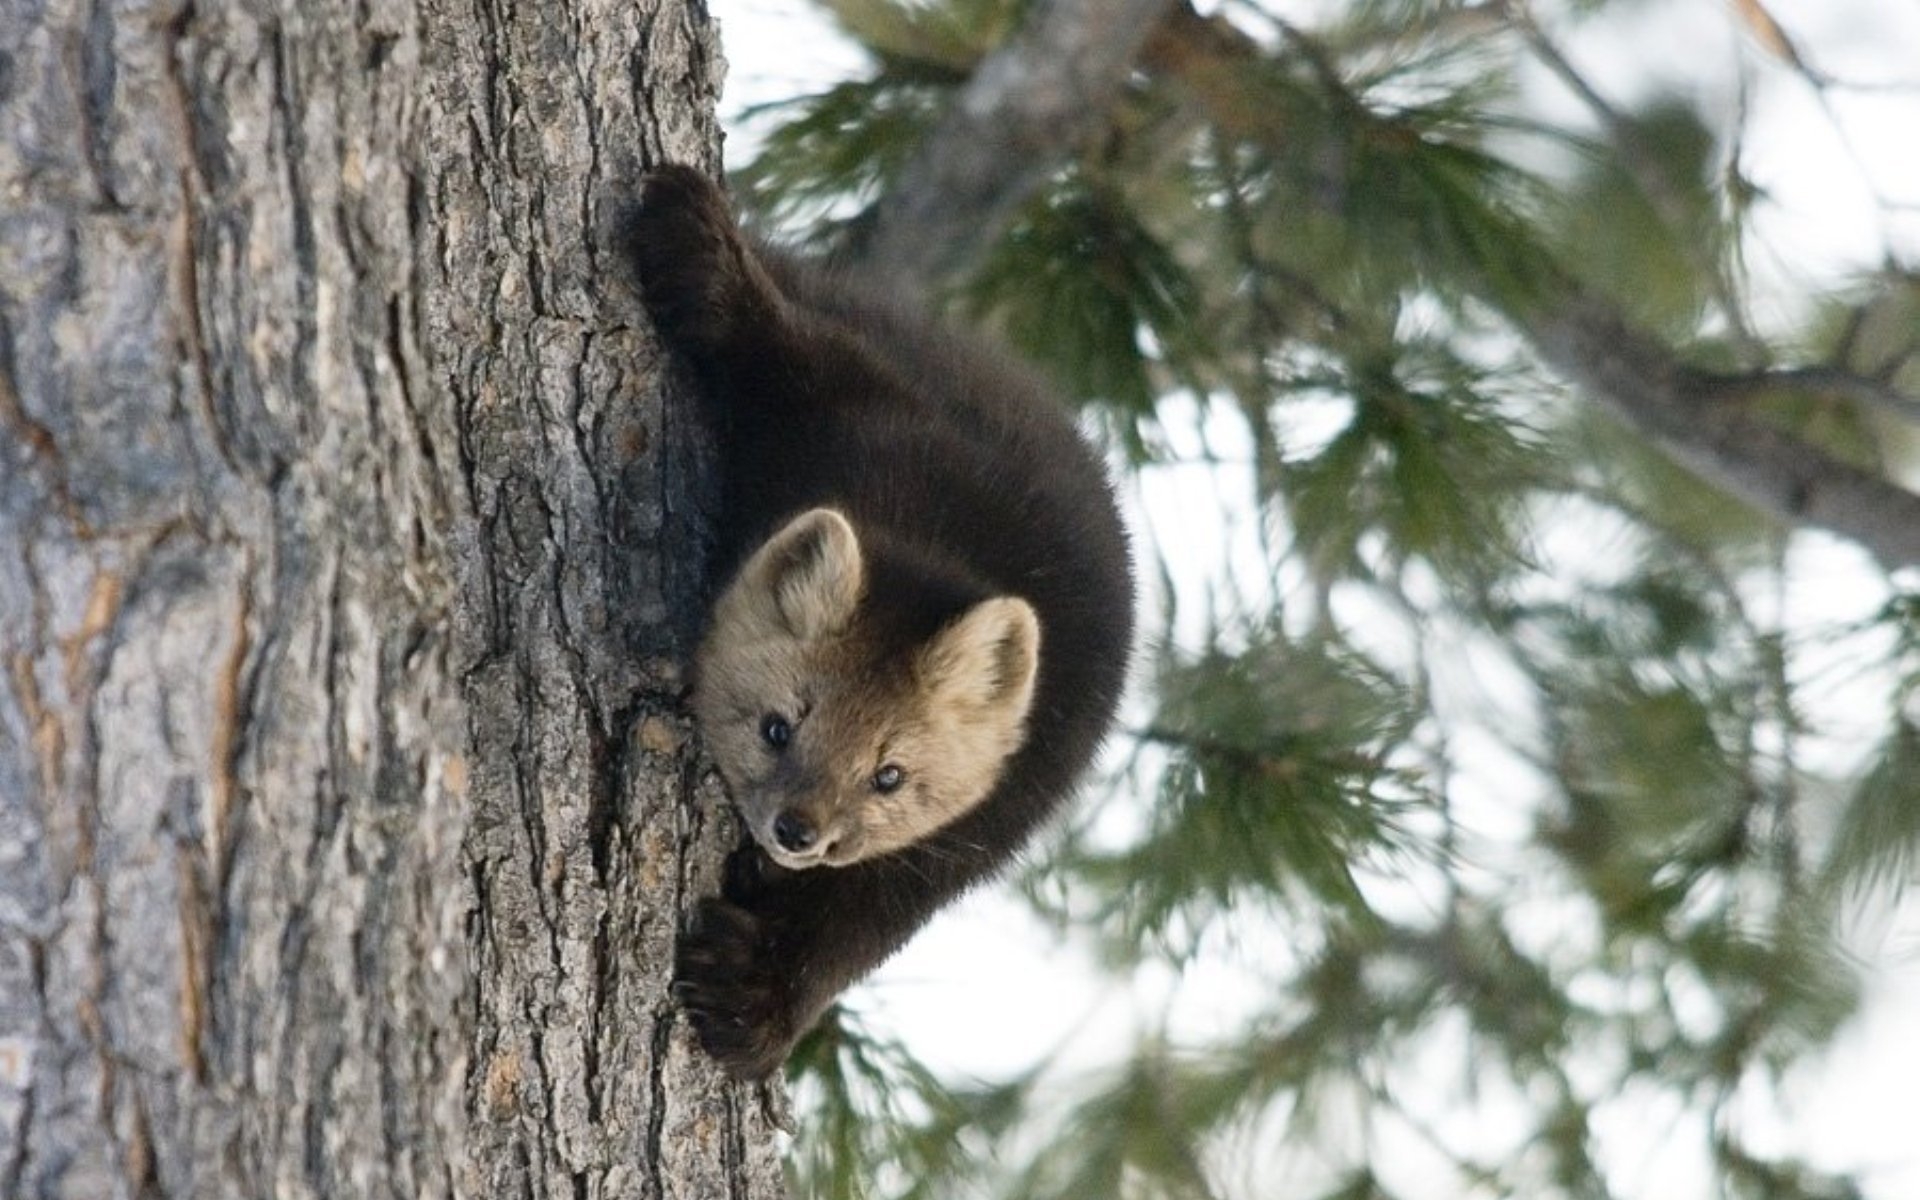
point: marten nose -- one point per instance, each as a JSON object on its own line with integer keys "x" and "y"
{"x": 793, "y": 832}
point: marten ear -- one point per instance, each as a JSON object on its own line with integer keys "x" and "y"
{"x": 812, "y": 572}
{"x": 984, "y": 665}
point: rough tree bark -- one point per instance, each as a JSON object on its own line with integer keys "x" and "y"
{"x": 348, "y": 539}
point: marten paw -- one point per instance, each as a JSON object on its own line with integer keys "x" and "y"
{"x": 697, "y": 277}
{"x": 735, "y": 999}
{"x": 750, "y": 877}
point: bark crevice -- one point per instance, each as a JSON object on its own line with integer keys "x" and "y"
{"x": 333, "y": 593}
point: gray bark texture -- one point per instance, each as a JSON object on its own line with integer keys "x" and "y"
{"x": 349, "y": 541}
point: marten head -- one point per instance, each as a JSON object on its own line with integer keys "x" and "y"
{"x": 839, "y": 738}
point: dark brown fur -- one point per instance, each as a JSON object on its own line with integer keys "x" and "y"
{"x": 964, "y": 482}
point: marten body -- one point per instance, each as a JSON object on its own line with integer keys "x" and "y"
{"x": 925, "y": 628}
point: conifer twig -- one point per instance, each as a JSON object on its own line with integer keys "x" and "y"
{"x": 1029, "y": 106}
{"x": 1044, "y": 95}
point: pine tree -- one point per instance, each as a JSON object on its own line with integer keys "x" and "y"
{"x": 1525, "y": 745}
{"x": 346, "y": 549}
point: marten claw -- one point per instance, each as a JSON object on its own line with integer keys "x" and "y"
{"x": 734, "y": 1002}
{"x": 696, "y": 278}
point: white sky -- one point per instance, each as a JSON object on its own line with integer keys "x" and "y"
{"x": 985, "y": 992}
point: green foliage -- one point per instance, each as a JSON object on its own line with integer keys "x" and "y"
{"x": 1622, "y": 470}
{"x": 883, "y": 1125}
{"x": 1081, "y": 285}
{"x": 1134, "y": 1137}
{"x": 1275, "y": 784}
{"x": 949, "y": 36}
{"x": 1426, "y": 464}
{"x": 1525, "y": 786}
{"x": 849, "y": 141}
{"x": 1641, "y": 217}
{"x": 1877, "y": 332}
{"x": 1876, "y": 844}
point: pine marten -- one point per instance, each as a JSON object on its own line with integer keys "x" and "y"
{"x": 925, "y": 627}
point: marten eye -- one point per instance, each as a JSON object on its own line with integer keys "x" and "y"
{"x": 888, "y": 778}
{"x": 775, "y": 731}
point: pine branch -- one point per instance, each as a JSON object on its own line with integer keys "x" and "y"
{"x": 1816, "y": 378}
{"x": 1045, "y": 95}
{"x": 1030, "y": 105}
{"x": 1649, "y": 174}
{"x": 1684, "y": 412}
{"x": 1277, "y": 761}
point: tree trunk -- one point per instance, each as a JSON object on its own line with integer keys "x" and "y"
{"x": 348, "y": 544}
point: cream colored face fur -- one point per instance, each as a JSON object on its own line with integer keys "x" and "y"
{"x": 785, "y": 643}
